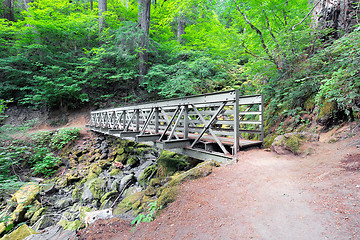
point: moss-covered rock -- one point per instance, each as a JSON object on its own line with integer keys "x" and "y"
{"x": 97, "y": 187}
{"x": 326, "y": 112}
{"x": 170, "y": 162}
{"x": 127, "y": 203}
{"x": 132, "y": 161}
{"x": 121, "y": 158}
{"x": 20, "y": 233}
{"x": 150, "y": 191}
{"x": 292, "y": 142}
{"x": 37, "y": 215}
{"x": 83, "y": 158}
{"x": 70, "y": 225}
{"x": 114, "y": 172}
{"x": 167, "y": 196}
{"x": 76, "y": 193}
{"x": 83, "y": 211}
{"x": 107, "y": 196}
{"x": 24, "y": 198}
{"x": 146, "y": 174}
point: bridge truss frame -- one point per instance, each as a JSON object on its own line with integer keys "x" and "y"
{"x": 201, "y": 126}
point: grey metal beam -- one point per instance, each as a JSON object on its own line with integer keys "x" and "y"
{"x": 147, "y": 138}
{"x": 203, "y": 155}
{"x": 129, "y": 134}
{"x": 181, "y": 143}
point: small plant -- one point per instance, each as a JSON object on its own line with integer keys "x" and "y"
{"x": 64, "y": 136}
{"x": 145, "y": 218}
{"x": 47, "y": 165}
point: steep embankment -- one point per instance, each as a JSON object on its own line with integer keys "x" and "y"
{"x": 264, "y": 196}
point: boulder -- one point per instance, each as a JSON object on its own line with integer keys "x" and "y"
{"x": 53, "y": 233}
{"x": 20, "y": 233}
{"x": 91, "y": 217}
{"x": 291, "y": 142}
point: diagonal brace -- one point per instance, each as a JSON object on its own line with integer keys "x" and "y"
{"x": 207, "y": 126}
{"x": 211, "y": 131}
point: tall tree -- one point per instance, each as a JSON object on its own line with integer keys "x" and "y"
{"x": 144, "y": 23}
{"x": 102, "y": 9}
{"x": 8, "y": 10}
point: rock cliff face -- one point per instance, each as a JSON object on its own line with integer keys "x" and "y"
{"x": 340, "y": 15}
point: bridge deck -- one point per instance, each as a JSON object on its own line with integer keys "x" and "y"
{"x": 210, "y": 126}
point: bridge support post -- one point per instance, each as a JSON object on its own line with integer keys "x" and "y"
{"x": 236, "y": 125}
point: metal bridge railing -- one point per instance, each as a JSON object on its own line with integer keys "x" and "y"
{"x": 210, "y": 126}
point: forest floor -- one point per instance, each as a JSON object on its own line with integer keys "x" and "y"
{"x": 262, "y": 196}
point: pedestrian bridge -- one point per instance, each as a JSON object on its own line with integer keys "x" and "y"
{"x": 209, "y": 126}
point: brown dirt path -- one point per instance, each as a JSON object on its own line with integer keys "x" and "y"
{"x": 263, "y": 196}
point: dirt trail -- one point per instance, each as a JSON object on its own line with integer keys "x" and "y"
{"x": 265, "y": 196}
{"x": 262, "y": 196}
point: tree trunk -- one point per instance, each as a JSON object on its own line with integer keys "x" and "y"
{"x": 102, "y": 9}
{"x": 144, "y": 22}
{"x": 8, "y": 10}
{"x": 181, "y": 28}
{"x": 339, "y": 15}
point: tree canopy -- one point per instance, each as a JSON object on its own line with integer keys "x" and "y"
{"x": 64, "y": 53}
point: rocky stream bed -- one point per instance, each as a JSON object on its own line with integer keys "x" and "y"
{"x": 99, "y": 177}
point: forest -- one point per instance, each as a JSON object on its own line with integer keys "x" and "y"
{"x": 69, "y": 54}
{"x": 303, "y": 56}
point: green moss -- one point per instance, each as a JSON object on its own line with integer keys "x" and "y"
{"x": 136, "y": 205}
{"x": 127, "y": 203}
{"x": 148, "y": 172}
{"x": 132, "y": 161}
{"x": 269, "y": 139}
{"x": 119, "y": 150}
{"x": 150, "y": 191}
{"x": 155, "y": 182}
{"x": 70, "y": 225}
{"x": 326, "y": 110}
{"x": 76, "y": 193}
{"x": 107, "y": 196}
{"x": 121, "y": 158}
{"x": 170, "y": 162}
{"x": 20, "y": 233}
{"x": 168, "y": 195}
{"x": 37, "y": 215}
{"x": 114, "y": 171}
{"x": 97, "y": 187}
{"x": 83, "y": 211}
{"x": 293, "y": 143}
{"x": 82, "y": 158}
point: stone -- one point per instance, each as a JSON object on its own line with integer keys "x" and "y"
{"x": 107, "y": 196}
{"x": 150, "y": 191}
{"x": 43, "y": 222}
{"x": 146, "y": 174}
{"x": 24, "y": 197}
{"x": 36, "y": 216}
{"x": 97, "y": 187}
{"x": 55, "y": 232}
{"x": 63, "y": 203}
{"x": 20, "y": 233}
{"x": 125, "y": 181}
{"x": 76, "y": 193}
{"x": 70, "y": 225}
{"x": 91, "y": 217}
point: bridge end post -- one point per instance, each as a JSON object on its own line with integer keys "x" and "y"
{"x": 236, "y": 147}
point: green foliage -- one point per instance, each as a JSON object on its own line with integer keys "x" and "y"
{"x": 150, "y": 216}
{"x": 46, "y": 165}
{"x": 192, "y": 75}
{"x": 57, "y": 139}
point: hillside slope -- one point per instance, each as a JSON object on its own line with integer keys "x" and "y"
{"x": 263, "y": 196}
